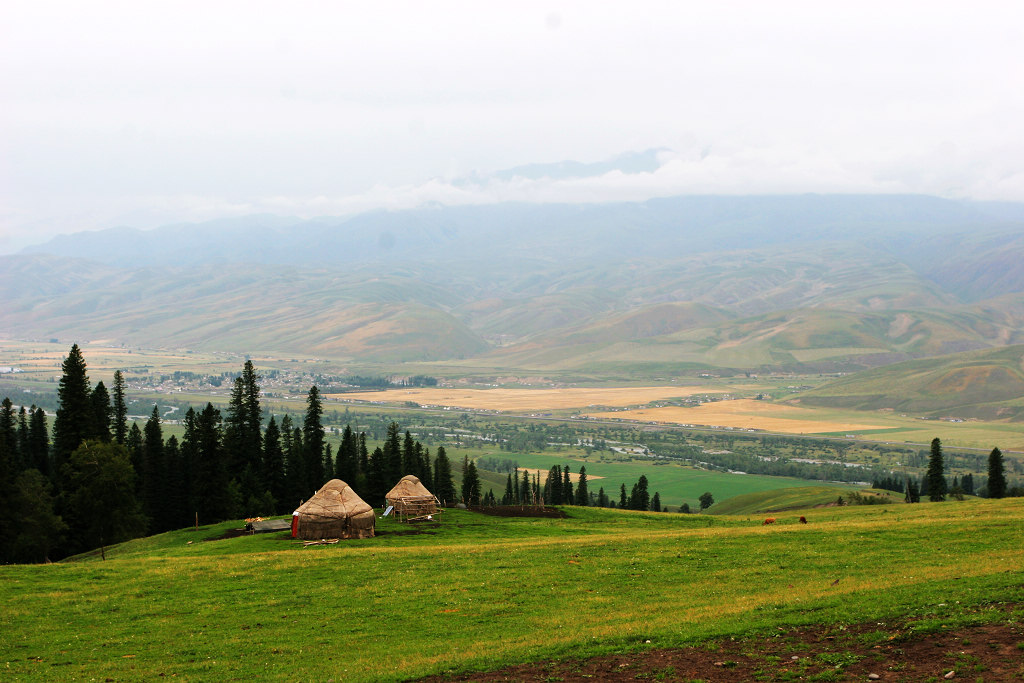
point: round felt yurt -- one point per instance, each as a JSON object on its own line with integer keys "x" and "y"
{"x": 335, "y": 511}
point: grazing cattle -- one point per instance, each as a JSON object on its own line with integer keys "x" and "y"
{"x": 769, "y": 520}
{"x": 803, "y": 520}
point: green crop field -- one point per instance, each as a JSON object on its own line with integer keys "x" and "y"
{"x": 476, "y": 592}
{"x": 675, "y": 483}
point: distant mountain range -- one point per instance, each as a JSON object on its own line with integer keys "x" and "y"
{"x": 809, "y": 282}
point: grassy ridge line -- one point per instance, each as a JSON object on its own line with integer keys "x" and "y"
{"x": 400, "y": 606}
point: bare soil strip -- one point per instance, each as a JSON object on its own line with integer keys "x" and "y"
{"x": 861, "y": 652}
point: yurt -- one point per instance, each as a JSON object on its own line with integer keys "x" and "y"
{"x": 411, "y": 498}
{"x": 335, "y": 511}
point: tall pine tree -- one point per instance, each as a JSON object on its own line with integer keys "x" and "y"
{"x": 74, "y": 421}
{"x": 935, "y": 475}
{"x": 313, "y": 440}
{"x": 120, "y": 409}
{"x": 996, "y": 475}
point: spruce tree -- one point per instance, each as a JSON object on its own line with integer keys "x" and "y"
{"x": 212, "y": 471}
{"x": 936, "y": 481}
{"x": 509, "y": 497}
{"x": 39, "y": 530}
{"x": 253, "y": 435}
{"x": 364, "y": 463}
{"x": 153, "y": 475}
{"x": 913, "y": 493}
{"x": 410, "y": 463}
{"x": 470, "y": 482}
{"x": 8, "y": 474}
{"x": 234, "y": 429}
{"x": 392, "y": 452}
{"x": 656, "y": 502}
{"x": 189, "y": 464}
{"x": 120, "y": 409}
{"x": 376, "y": 482}
{"x": 567, "y": 495}
{"x": 133, "y": 444}
{"x": 101, "y": 502}
{"x": 582, "y": 495}
{"x": 347, "y": 463}
{"x": 623, "y": 499}
{"x": 273, "y": 468}
{"x": 22, "y": 440}
{"x": 175, "y": 488}
{"x": 74, "y": 421}
{"x": 996, "y": 474}
{"x": 101, "y": 412}
{"x": 968, "y": 484}
{"x": 525, "y": 493}
{"x": 39, "y": 443}
{"x": 602, "y": 498}
{"x": 313, "y": 440}
{"x": 9, "y": 438}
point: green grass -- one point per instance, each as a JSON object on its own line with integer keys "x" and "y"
{"x": 779, "y": 500}
{"x": 675, "y": 483}
{"x": 481, "y": 592}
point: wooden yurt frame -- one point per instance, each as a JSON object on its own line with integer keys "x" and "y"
{"x": 415, "y": 507}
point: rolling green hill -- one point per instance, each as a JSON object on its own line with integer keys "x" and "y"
{"x": 472, "y": 592}
{"x": 782, "y": 500}
{"x": 630, "y": 291}
{"x": 985, "y": 384}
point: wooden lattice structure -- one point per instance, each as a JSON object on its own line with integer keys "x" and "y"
{"x": 411, "y": 499}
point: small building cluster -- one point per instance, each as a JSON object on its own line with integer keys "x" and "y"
{"x": 337, "y": 511}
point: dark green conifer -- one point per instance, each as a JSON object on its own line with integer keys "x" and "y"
{"x": 120, "y": 409}
{"x": 74, "y": 421}
{"x": 582, "y": 494}
{"x": 936, "y": 481}
{"x": 101, "y": 412}
{"x": 313, "y": 441}
{"x": 996, "y": 474}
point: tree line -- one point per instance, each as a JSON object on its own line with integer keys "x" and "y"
{"x": 101, "y": 481}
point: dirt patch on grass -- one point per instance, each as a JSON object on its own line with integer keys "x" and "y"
{"x": 522, "y": 511}
{"x": 875, "y": 651}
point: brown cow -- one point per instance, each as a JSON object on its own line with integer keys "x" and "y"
{"x": 769, "y": 520}
{"x": 803, "y": 520}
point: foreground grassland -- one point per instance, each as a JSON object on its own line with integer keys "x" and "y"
{"x": 478, "y": 592}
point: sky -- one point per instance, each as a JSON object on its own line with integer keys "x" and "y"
{"x": 146, "y": 114}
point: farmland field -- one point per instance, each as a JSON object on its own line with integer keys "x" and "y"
{"x": 744, "y": 414}
{"x": 501, "y": 399}
{"x": 475, "y": 592}
{"x": 676, "y": 484}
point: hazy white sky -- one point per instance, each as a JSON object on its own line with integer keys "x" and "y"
{"x": 141, "y": 113}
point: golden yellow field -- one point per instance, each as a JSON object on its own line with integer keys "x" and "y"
{"x": 742, "y": 414}
{"x": 574, "y": 477}
{"x": 533, "y": 400}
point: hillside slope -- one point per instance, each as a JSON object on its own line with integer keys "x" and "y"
{"x": 985, "y": 384}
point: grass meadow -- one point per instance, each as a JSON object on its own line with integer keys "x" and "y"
{"x": 476, "y": 592}
{"x": 675, "y": 483}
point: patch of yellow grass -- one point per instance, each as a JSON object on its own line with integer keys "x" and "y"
{"x": 574, "y": 477}
{"x": 528, "y": 399}
{"x": 742, "y": 414}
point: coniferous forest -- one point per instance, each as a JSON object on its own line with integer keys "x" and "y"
{"x": 99, "y": 481}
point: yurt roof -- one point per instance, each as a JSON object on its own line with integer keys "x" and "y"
{"x": 334, "y": 499}
{"x": 408, "y": 486}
